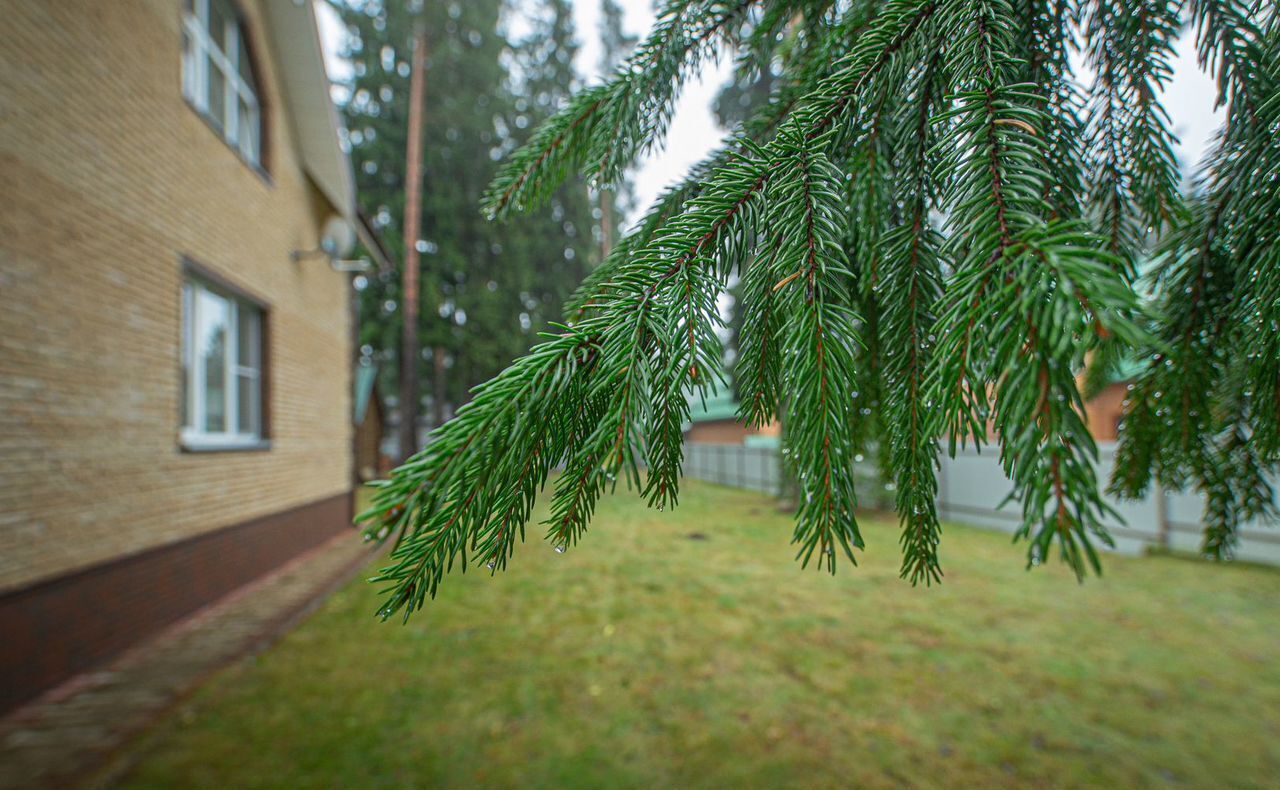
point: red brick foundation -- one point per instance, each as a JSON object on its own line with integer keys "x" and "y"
{"x": 66, "y": 625}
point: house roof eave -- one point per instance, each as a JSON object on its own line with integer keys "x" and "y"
{"x": 315, "y": 122}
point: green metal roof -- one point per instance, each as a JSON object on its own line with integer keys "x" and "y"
{"x": 1126, "y": 369}
{"x": 718, "y": 406}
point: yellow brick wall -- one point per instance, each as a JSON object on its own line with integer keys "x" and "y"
{"x": 107, "y": 178}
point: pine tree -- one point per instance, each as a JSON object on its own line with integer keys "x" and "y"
{"x": 561, "y": 238}
{"x": 930, "y": 191}
{"x": 486, "y": 288}
{"x": 617, "y": 199}
{"x": 747, "y": 91}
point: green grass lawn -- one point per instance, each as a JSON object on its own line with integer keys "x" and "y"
{"x": 687, "y": 649}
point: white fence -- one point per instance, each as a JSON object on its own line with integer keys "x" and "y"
{"x": 752, "y": 468}
{"x": 971, "y": 487}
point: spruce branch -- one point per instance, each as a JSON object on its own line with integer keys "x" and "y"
{"x": 1133, "y": 170}
{"x": 658, "y": 341}
{"x": 759, "y": 371}
{"x": 1205, "y": 411}
{"x": 1044, "y": 285}
{"x": 471, "y": 488}
{"x": 1049, "y": 68}
{"x": 908, "y": 293}
{"x": 1067, "y": 294}
{"x": 819, "y": 339}
{"x": 936, "y": 230}
{"x": 603, "y": 129}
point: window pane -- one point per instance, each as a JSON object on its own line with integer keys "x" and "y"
{"x": 248, "y": 131}
{"x": 219, "y": 16}
{"x": 248, "y": 394}
{"x": 214, "y": 315}
{"x": 246, "y": 70}
{"x": 184, "y": 384}
{"x": 217, "y": 94}
{"x": 247, "y": 354}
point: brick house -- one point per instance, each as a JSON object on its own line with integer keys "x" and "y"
{"x": 175, "y": 382}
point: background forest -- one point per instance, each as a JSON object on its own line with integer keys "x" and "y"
{"x": 494, "y": 70}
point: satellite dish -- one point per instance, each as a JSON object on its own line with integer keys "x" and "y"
{"x": 337, "y": 241}
{"x": 339, "y": 237}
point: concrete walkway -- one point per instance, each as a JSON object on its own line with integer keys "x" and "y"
{"x": 72, "y": 731}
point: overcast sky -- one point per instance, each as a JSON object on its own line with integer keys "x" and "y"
{"x": 694, "y": 131}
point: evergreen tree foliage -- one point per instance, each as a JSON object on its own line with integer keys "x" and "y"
{"x": 749, "y": 89}
{"x": 616, "y": 200}
{"x": 486, "y": 288}
{"x": 930, "y": 202}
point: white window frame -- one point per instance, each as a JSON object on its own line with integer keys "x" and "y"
{"x": 200, "y": 49}
{"x": 194, "y": 434}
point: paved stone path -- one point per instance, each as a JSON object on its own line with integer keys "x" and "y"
{"x": 65, "y": 735}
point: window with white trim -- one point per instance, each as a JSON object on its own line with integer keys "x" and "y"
{"x": 217, "y": 77}
{"x": 221, "y": 368}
